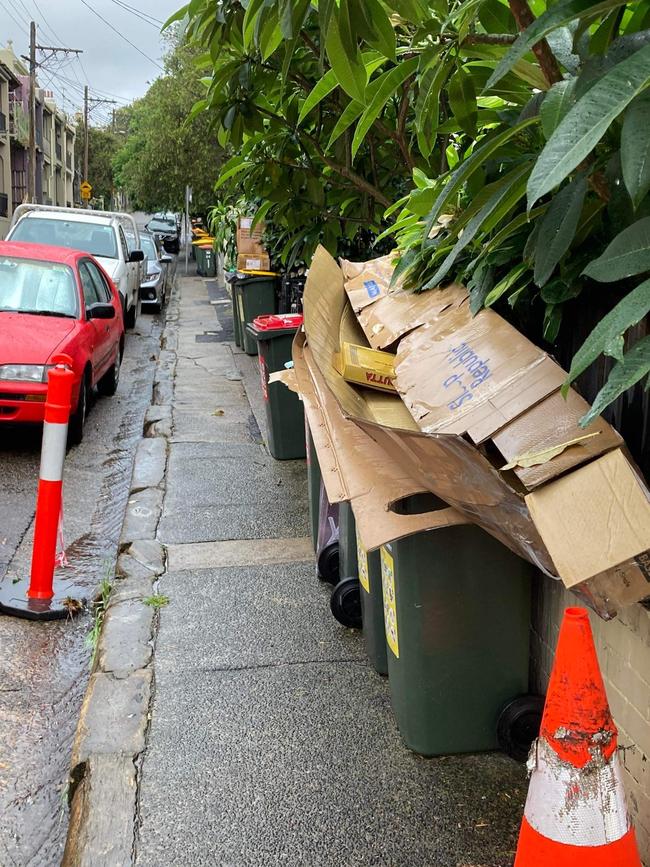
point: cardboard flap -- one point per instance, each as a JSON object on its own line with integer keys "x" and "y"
{"x": 471, "y": 376}
{"x": 552, "y": 422}
{"x": 398, "y": 313}
{"x": 330, "y": 471}
{"x": 376, "y": 528}
{"x": 328, "y": 319}
{"x": 358, "y": 469}
{"x": 594, "y": 519}
{"x": 366, "y": 282}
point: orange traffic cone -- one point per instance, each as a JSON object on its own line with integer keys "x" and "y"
{"x": 575, "y": 811}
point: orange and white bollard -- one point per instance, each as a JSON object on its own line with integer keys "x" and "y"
{"x": 40, "y": 601}
{"x": 575, "y": 812}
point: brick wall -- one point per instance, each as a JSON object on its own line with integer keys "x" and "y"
{"x": 623, "y": 647}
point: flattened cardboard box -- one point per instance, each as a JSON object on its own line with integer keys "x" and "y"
{"x": 355, "y": 469}
{"x": 442, "y": 457}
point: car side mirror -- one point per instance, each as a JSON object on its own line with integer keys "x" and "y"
{"x": 99, "y": 310}
{"x": 136, "y": 256}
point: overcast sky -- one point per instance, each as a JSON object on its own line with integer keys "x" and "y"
{"x": 109, "y": 65}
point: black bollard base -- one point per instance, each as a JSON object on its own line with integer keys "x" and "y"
{"x": 67, "y": 601}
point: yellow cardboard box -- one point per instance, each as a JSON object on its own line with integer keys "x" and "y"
{"x": 364, "y": 366}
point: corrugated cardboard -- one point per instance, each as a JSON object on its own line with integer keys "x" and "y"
{"x": 462, "y": 375}
{"x": 595, "y": 522}
{"x": 355, "y": 469}
{"x": 443, "y": 458}
{"x": 255, "y": 262}
{"x": 552, "y": 422}
{"x": 364, "y": 366}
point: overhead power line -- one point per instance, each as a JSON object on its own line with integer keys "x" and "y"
{"x": 148, "y": 19}
{"x": 122, "y": 36}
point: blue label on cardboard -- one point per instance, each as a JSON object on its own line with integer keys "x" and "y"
{"x": 371, "y": 288}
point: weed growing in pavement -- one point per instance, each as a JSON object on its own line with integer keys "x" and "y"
{"x": 156, "y": 601}
{"x": 99, "y": 610}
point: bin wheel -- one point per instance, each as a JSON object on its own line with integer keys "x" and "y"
{"x": 345, "y": 602}
{"x": 328, "y": 563}
{"x": 518, "y": 725}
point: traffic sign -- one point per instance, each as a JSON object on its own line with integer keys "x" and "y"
{"x": 85, "y": 190}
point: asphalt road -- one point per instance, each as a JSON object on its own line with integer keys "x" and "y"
{"x": 44, "y": 666}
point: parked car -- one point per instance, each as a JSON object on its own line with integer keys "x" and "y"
{"x": 100, "y": 233}
{"x": 55, "y": 300}
{"x": 165, "y": 228}
{"x": 156, "y": 277}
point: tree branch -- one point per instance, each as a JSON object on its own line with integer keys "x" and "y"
{"x": 481, "y": 38}
{"x": 545, "y": 57}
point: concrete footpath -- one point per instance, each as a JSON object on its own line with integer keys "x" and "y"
{"x": 258, "y": 732}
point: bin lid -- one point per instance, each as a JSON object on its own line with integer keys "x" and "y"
{"x": 278, "y": 322}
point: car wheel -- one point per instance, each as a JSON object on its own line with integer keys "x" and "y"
{"x": 78, "y": 418}
{"x": 107, "y": 385}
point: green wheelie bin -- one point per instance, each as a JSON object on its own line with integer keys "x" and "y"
{"x": 372, "y": 607}
{"x": 255, "y": 297}
{"x": 231, "y": 278}
{"x": 313, "y": 483}
{"x": 273, "y": 335}
{"x": 345, "y": 601}
{"x": 457, "y": 614}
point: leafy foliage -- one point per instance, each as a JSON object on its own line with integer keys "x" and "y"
{"x": 163, "y": 150}
{"x": 499, "y": 142}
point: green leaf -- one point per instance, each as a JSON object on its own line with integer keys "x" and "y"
{"x": 488, "y": 147}
{"x": 462, "y": 100}
{"x": 634, "y": 366}
{"x": 230, "y": 170}
{"x": 270, "y": 37}
{"x": 558, "y": 228}
{"x": 564, "y": 12}
{"x": 322, "y": 89}
{"x": 348, "y": 68}
{"x": 250, "y": 16}
{"x": 587, "y": 122}
{"x": 635, "y": 148}
{"x": 552, "y": 321}
{"x": 628, "y": 254}
{"x": 386, "y": 85}
{"x": 427, "y": 111}
{"x": 176, "y": 16}
{"x": 506, "y": 284}
{"x": 382, "y": 36}
{"x": 627, "y": 312}
{"x": 479, "y": 287}
{"x": 557, "y": 102}
{"x": 350, "y": 113}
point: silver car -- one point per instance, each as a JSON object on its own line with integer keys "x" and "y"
{"x": 156, "y": 277}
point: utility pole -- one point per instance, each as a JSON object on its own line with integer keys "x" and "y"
{"x": 89, "y": 104}
{"x": 85, "y": 177}
{"x": 31, "y": 179}
{"x": 33, "y": 48}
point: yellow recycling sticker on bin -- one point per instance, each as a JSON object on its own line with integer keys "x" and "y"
{"x": 362, "y": 558}
{"x": 390, "y": 606}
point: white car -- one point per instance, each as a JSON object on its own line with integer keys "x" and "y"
{"x": 100, "y": 233}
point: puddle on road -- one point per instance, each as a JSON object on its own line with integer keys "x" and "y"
{"x": 44, "y": 667}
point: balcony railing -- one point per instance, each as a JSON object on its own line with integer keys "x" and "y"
{"x": 4, "y": 205}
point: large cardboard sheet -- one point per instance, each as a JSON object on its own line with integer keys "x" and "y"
{"x": 445, "y": 458}
{"x": 355, "y": 468}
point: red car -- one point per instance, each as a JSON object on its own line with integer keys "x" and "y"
{"x": 55, "y": 300}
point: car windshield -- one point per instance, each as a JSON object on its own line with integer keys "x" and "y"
{"x": 159, "y": 225}
{"x": 28, "y": 286}
{"x": 149, "y": 247}
{"x": 93, "y": 238}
